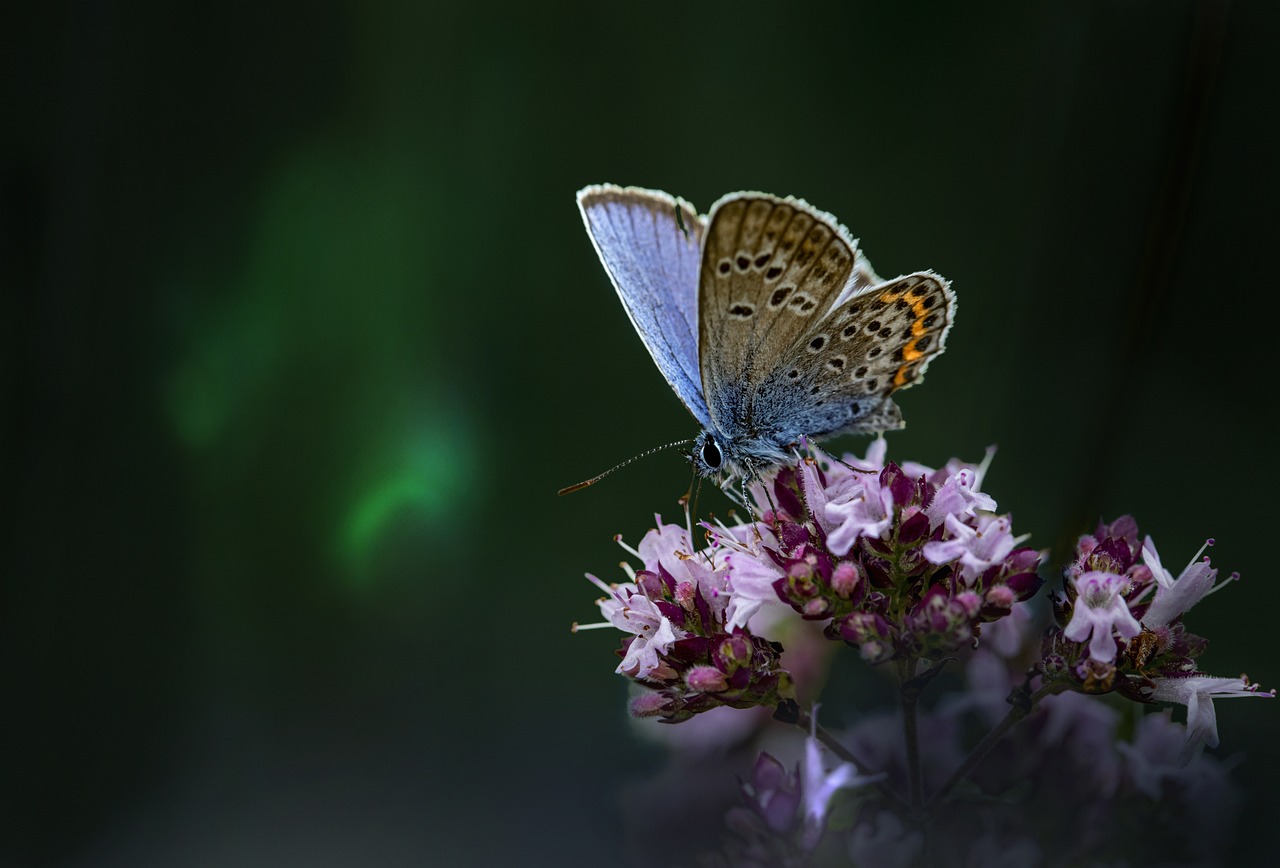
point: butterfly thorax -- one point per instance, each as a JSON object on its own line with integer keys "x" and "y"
{"x": 751, "y": 430}
{"x": 764, "y": 433}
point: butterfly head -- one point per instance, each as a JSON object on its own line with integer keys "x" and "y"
{"x": 715, "y": 454}
{"x": 708, "y": 454}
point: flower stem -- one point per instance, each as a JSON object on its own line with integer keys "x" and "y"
{"x": 838, "y": 749}
{"x": 1017, "y": 713}
{"x": 910, "y": 695}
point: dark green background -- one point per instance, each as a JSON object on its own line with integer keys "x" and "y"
{"x": 302, "y": 332}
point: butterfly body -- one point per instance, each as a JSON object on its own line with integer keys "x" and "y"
{"x": 765, "y": 318}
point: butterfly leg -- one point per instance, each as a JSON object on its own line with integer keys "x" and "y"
{"x": 768, "y": 496}
{"x": 746, "y": 499}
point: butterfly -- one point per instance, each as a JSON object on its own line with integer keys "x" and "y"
{"x": 765, "y": 318}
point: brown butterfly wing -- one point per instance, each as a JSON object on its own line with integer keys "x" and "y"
{"x": 771, "y": 269}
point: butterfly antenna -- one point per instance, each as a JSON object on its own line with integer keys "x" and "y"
{"x": 593, "y": 480}
{"x": 837, "y": 459}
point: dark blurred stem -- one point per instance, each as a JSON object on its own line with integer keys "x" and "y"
{"x": 1017, "y": 714}
{"x": 1163, "y": 245}
{"x": 909, "y": 692}
{"x": 837, "y": 748}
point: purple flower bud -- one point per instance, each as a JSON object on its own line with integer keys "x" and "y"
{"x": 799, "y": 570}
{"x": 902, "y": 487}
{"x": 1140, "y": 574}
{"x": 1023, "y": 585}
{"x": 732, "y": 653}
{"x": 684, "y": 596}
{"x": 970, "y": 603}
{"x": 875, "y": 651}
{"x": 706, "y": 679}
{"x": 1001, "y": 596}
{"x": 647, "y": 705}
{"x": 819, "y": 607}
{"x": 867, "y": 631}
{"x": 845, "y": 579}
{"x": 1023, "y": 560}
{"x": 1061, "y": 606}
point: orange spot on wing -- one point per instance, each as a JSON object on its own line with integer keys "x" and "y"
{"x": 921, "y": 312}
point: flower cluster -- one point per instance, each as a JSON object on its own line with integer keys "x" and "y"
{"x": 1119, "y": 627}
{"x": 688, "y": 644}
{"x": 902, "y": 562}
{"x": 916, "y": 565}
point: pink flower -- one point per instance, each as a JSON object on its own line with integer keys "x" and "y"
{"x": 978, "y": 549}
{"x": 1197, "y": 693}
{"x": 1099, "y": 608}
{"x": 667, "y": 547}
{"x": 751, "y": 574}
{"x": 958, "y": 496}
{"x": 1176, "y": 596}
{"x": 629, "y": 610}
{"x": 866, "y": 511}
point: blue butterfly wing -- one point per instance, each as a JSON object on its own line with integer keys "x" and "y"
{"x": 651, "y": 245}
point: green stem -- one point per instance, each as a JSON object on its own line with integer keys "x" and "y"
{"x": 1016, "y": 714}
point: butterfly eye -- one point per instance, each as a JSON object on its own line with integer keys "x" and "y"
{"x": 711, "y": 454}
